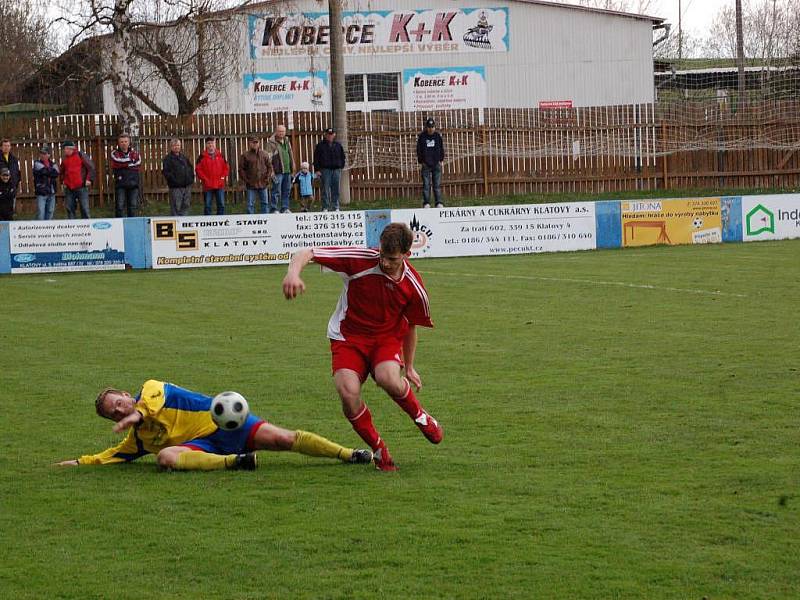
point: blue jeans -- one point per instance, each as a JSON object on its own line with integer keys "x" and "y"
{"x": 127, "y": 202}
{"x": 209, "y": 195}
{"x": 281, "y": 187}
{"x": 434, "y": 174}
{"x": 252, "y": 193}
{"x": 73, "y": 197}
{"x": 330, "y": 188}
{"x": 47, "y": 206}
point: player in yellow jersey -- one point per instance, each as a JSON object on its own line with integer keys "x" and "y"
{"x": 175, "y": 424}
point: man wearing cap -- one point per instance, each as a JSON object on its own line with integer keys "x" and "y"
{"x": 8, "y": 195}
{"x": 10, "y": 162}
{"x": 45, "y": 181}
{"x": 255, "y": 171}
{"x": 430, "y": 154}
{"x": 329, "y": 160}
{"x": 76, "y": 173}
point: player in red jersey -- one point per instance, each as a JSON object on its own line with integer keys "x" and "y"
{"x": 373, "y": 329}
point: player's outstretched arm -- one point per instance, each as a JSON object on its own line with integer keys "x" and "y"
{"x": 68, "y": 463}
{"x": 293, "y": 285}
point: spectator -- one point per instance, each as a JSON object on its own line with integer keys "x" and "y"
{"x": 305, "y": 180}
{"x": 329, "y": 160}
{"x": 280, "y": 151}
{"x": 255, "y": 170}
{"x": 212, "y": 169}
{"x": 10, "y": 162}
{"x": 8, "y": 195}
{"x": 76, "y": 173}
{"x": 430, "y": 154}
{"x": 179, "y": 173}
{"x": 125, "y": 163}
{"x": 45, "y": 182}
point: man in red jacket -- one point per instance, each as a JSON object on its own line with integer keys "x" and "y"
{"x": 212, "y": 169}
{"x": 76, "y": 173}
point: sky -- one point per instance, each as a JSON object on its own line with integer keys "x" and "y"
{"x": 697, "y": 14}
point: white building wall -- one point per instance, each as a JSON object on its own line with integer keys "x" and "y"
{"x": 556, "y": 53}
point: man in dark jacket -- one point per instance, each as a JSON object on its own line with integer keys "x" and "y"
{"x": 430, "y": 154}
{"x": 8, "y": 195}
{"x": 10, "y": 162}
{"x": 76, "y": 172}
{"x": 255, "y": 171}
{"x": 179, "y": 173}
{"x": 125, "y": 163}
{"x": 45, "y": 181}
{"x": 329, "y": 160}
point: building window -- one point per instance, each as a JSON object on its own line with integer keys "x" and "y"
{"x": 373, "y": 91}
{"x": 354, "y": 88}
{"x": 382, "y": 87}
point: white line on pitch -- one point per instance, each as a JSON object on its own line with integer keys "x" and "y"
{"x": 590, "y": 281}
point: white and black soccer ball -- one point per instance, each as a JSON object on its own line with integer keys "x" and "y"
{"x": 697, "y": 223}
{"x": 229, "y": 410}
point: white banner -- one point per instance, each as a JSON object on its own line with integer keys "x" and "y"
{"x": 444, "y": 88}
{"x": 425, "y": 31}
{"x": 275, "y": 92}
{"x": 71, "y": 245}
{"x": 181, "y": 242}
{"x": 491, "y": 230}
{"x": 774, "y": 217}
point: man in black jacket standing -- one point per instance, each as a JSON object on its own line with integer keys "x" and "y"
{"x": 329, "y": 160}
{"x": 430, "y": 154}
{"x": 179, "y": 173}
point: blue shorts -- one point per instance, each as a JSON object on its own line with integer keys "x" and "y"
{"x": 228, "y": 442}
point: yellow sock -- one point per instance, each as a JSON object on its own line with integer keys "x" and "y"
{"x": 312, "y": 444}
{"x": 203, "y": 461}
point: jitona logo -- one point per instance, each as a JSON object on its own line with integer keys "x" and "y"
{"x": 760, "y": 220}
{"x": 422, "y": 234}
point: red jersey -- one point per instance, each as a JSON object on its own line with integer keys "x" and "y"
{"x": 373, "y": 304}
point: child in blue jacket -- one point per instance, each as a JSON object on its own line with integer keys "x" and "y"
{"x": 305, "y": 179}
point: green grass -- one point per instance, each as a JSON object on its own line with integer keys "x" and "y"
{"x": 601, "y": 440}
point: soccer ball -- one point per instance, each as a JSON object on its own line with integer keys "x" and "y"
{"x": 698, "y": 222}
{"x": 229, "y": 410}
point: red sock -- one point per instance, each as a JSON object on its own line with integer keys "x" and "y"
{"x": 362, "y": 423}
{"x": 409, "y": 403}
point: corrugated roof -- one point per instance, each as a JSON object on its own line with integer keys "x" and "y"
{"x": 615, "y": 13}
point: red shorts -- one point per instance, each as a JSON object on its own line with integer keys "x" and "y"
{"x": 362, "y": 354}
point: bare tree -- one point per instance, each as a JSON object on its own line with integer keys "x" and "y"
{"x": 25, "y": 40}
{"x": 190, "y": 50}
{"x": 769, "y": 27}
{"x": 168, "y": 56}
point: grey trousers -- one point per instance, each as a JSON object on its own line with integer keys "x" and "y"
{"x": 179, "y": 200}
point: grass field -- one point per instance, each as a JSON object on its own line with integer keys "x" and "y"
{"x": 618, "y": 424}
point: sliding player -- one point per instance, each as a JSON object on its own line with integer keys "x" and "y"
{"x": 175, "y": 424}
